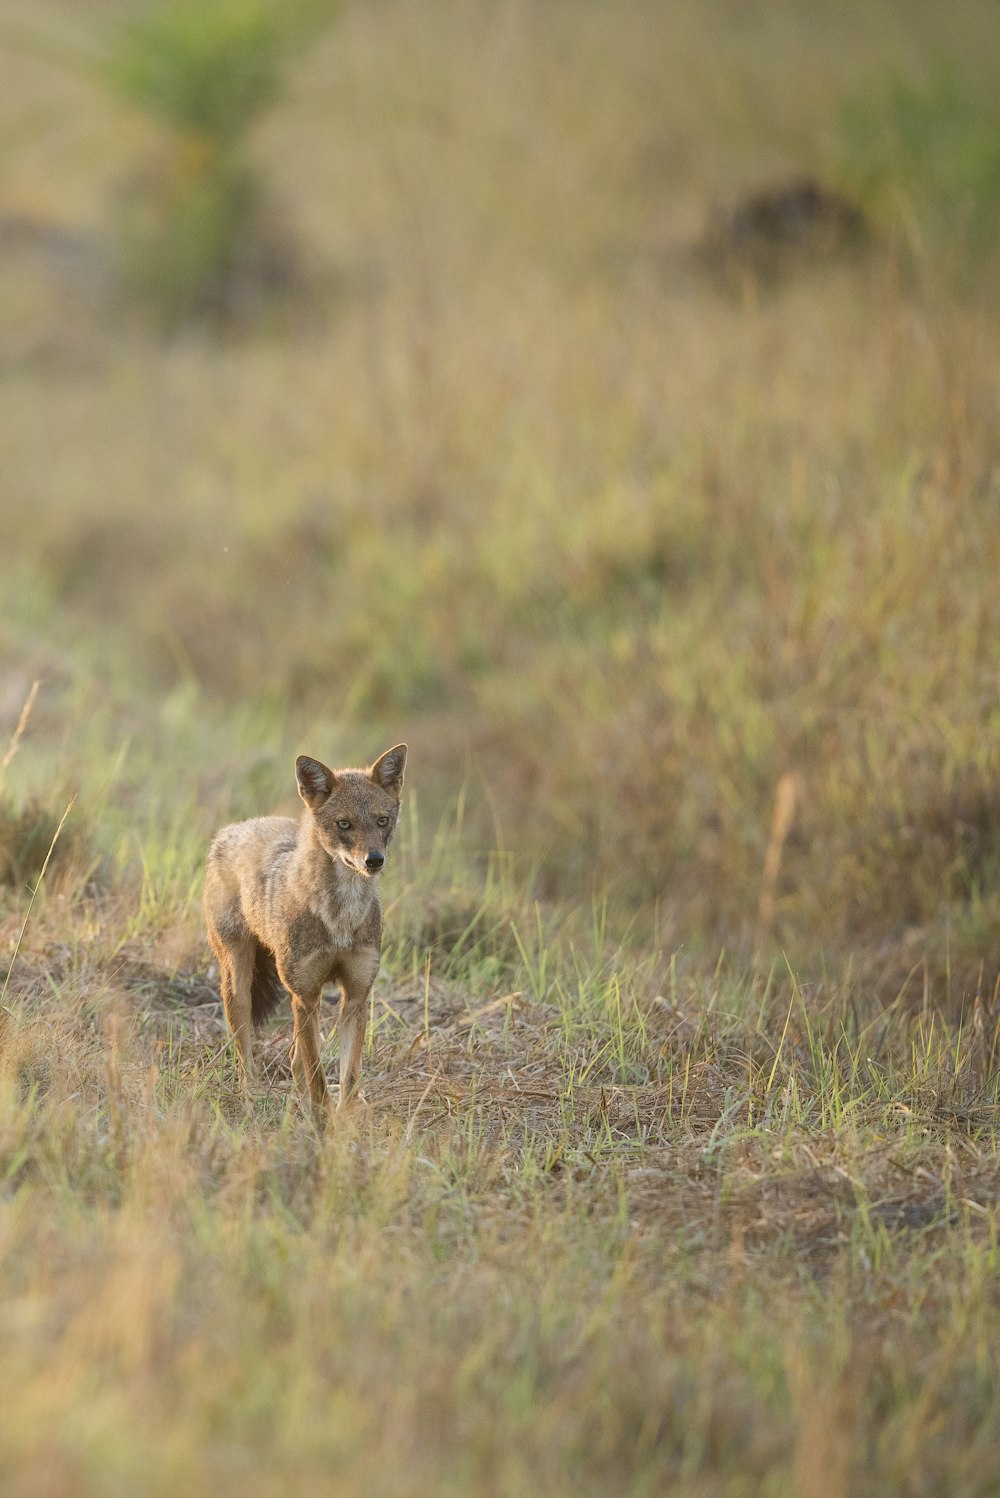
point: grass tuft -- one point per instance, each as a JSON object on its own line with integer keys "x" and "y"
{"x": 679, "y": 1169}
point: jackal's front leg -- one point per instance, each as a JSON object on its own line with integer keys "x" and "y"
{"x": 357, "y": 974}
{"x": 307, "y": 1068}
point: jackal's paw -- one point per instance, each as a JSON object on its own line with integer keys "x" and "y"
{"x": 357, "y": 1099}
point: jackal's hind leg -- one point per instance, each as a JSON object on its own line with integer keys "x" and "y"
{"x": 236, "y": 975}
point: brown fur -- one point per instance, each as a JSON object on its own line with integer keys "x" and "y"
{"x": 292, "y": 905}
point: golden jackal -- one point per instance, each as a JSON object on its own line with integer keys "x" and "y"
{"x": 294, "y": 905}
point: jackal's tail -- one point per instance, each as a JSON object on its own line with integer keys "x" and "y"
{"x": 266, "y": 988}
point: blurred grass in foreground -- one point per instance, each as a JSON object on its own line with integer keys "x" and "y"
{"x": 681, "y": 1165}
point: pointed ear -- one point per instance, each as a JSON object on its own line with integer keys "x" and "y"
{"x": 314, "y": 780}
{"x": 387, "y": 771}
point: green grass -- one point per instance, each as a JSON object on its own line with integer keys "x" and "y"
{"x": 746, "y": 1239}
{"x": 679, "y": 1167}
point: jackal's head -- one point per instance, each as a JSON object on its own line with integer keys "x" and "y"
{"x": 354, "y": 811}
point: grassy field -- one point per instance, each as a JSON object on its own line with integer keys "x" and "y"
{"x": 676, "y": 566}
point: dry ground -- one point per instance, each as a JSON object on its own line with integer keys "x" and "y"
{"x": 678, "y": 573}
{"x": 732, "y": 1236}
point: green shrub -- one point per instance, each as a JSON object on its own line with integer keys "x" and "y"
{"x": 193, "y": 235}
{"x": 932, "y": 149}
{"x": 209, "y": 70}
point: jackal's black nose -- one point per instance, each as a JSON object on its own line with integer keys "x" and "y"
{"x": 374, "y": 860}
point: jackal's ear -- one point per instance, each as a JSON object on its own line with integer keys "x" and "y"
{"x": 387, "y": 771}
{"x": 314, "y": 780}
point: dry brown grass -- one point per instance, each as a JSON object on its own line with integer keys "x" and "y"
{"x": 715, "y": 1239}
{"x": 680, "y": 1166}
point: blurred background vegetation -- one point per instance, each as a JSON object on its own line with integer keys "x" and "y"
{"x": 601, "y": 396}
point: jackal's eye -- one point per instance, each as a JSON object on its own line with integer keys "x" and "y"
{"x": 383, "y": 821}
{"x": 344, "y": 825}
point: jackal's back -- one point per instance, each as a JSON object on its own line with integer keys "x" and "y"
{"x": 244, "y": 883}
{"x": 247, "y": 873}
